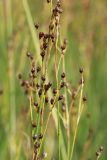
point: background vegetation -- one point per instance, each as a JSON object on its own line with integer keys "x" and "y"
{"x": 84, "y": 24}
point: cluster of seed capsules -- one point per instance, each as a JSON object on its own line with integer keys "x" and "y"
{"x": 48, "y": 39}
{"x": 99, "y": 152}
{"x": 38, "y": 85}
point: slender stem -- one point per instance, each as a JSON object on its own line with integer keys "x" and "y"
{"x": 67, "y": 114}
{"x": 80, "y": 108}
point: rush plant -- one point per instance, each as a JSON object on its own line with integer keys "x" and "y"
{"x": 51, "y": 95}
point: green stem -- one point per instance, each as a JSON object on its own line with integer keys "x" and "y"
{"x": 80, "y": 108}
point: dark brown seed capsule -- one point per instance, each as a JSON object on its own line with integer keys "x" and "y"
{"x": 46, "y": 36}
{"x": 101, "y": 148}
{"x": 33, "y": 70}
{"x": 54, "y": 91}
{"x": 37, "y": 145}
{"x": 81, "y": 81}
{"x": 52, "y": 35}
{"x": 40, "y": 92}
{"x": 46, "y": 99}
{"x": 36, "y": 104}
{"x": 63, "y": 75}
{"x": 36, "y": 26}
{"x": 42, "y": 54}
{"x": 19, "y": 76}
{"x": 31, "y": 57}
{"x": 48, "y": 1}
{"x": 97, "y": 154}
{"x": 81, "y": 70}
{"x": 34, "y": 137}
{"x": 23, "y": 83}
{"x": 45, "y": 45}
{"x": 40, "y": 136}
{"x": 51, "y": 26}
{"x": 38, "y": 69}
{"x": 61, "y": 97}
{"x": 63, "y": 47}
{"x": 52, "y": 101}
{"x": 84, "y": 99}
{"x": 43, "y": 78}
{"x": 62, "y": 84}
{"x": 50, "y": 84}
{"x": 41, "y": 34}
{"x": 34, "y": 76}
{"x": 65, "y": 41}
{"x": 38, "y": 86}
{"x": 34, "y": 125}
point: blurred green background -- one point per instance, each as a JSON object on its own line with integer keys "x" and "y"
{"x": 84, "y": 24}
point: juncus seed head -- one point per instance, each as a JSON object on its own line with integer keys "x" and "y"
{"x": 36, "y": 25}
{"x": 63, "y": 75}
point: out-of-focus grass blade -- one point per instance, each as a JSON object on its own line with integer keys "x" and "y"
{"x": 32, "y": 29}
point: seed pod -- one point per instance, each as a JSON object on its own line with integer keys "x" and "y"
{"x": 81, "y": 81}
{"x": 19, "y": 76}
{"x": 54, "y": 91}
{"x": 97, "y": 154}
{"x": 36, "y": 104}
{"x": 33, "y": 70}
{"x": 46, "y": 36}
{"x": 40, "y": 92}
{"x": 50, "y": 84}
{"x": 101, "y": 149}
{"x": 63, "y": 47}
{"x": 41, "y": 35}
{"x": 34, "y": 125}
{"x": 38, "y": 69}
{"x": 36, "y": 26}
{"x": 63, "y": 75}
{"x": 37, "y": 145}
{"x": 46, "y": 99}
{"x": 34, "y": 137}
{"x": 81, "y": 70}
{"x": 45, "y": 45}
{"x": 84, "y": 99}
{"x": 61, "y": 97}
{"x": 23, "y": 83}
{"x": 43, "y": 78}
{"x": 52, "y": 101}
{"x": 62, "y": 84}
{"x": 51, "y": 26}
{"x": 42, "y": 54}
{"x": 40, "y": 136}
{"x": 48, "y": 1}
{"x": 38, "y": 86}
